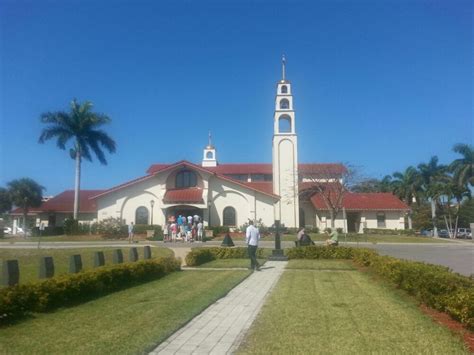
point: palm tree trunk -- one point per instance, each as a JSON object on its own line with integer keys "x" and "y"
{"x": 77, "y": 184}
{"x": 433, "y": 217}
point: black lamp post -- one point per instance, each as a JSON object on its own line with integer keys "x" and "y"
{"x": 152, "y": 203}
{"x": 209, "y": 209}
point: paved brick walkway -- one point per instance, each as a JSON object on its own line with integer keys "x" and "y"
{"x": 221, "y": 327}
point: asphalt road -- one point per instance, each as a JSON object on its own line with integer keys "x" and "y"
{"x": 458, "y": 257}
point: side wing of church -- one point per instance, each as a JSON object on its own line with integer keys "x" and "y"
{"x": 231, "y": 194}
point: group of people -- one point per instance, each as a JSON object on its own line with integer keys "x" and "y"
{"x": 182, "y": 228}
{"x": 303, "y": 239}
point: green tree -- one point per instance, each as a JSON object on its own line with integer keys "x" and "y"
{"x": 5, "y": 200}
{"x": 368, "y": 185}
{"x": 25, "y": 193}
{"x": 463, "y": 168}
{"x": 81, "y": 127}
{"x": 407, "y": 185}
{"x": 433, "y": 176}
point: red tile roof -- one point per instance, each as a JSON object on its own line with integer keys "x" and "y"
{"x": 264, "y": 186}
{"x": 190, "y": 195}
{"x": 121, "y": 186}
{"x": 260, "y": 168}
{"x": 364, "y": 201}
{"x": 64, "y": 202}
{"x": 158, "y": 168}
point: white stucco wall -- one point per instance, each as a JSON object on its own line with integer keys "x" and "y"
{"x": 368, "y": 219}
{"x": 248, "y": 204}
{"x": 221, "y": 193}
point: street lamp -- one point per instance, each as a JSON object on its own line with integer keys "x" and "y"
{"x": 209, "y": 209}
{"x": 152, "y": 203}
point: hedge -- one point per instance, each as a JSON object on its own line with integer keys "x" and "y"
{"x": 21, "y": 300}
{"x": 434, "y": 285}
{"x": 384, "y": 231}
{"x": 199, "y": 256}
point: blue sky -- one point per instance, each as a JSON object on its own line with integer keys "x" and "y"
{"x": 378, "y": 84}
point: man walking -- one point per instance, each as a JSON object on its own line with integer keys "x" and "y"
{"x": 252, "y": 236}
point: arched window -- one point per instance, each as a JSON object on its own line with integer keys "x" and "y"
{"x": 284, "y": 89}
{"x": 186, "y": 178}
{"x": 284, "y": 124}
{"x": 284, "y": 104}
{"x": 229, "y": 216}
{"x": 141, "y": 215}
{"x": 209, "y": 155}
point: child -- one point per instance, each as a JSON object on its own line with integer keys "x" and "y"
{"x": 166, "y": 233}
{"x": 174, "y": 229}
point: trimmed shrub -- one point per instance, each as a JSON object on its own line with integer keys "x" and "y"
{"x": 66, "y": 290}
{"x": 199, "y": 256}
{"x": 383, "y": 231}
{"x": 320, "y": 252}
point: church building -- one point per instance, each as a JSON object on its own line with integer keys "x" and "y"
{"x": 231, "y": 194}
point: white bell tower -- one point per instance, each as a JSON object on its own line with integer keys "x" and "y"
{"x": 285, "y": 155}
{"x": 209, "y": 157}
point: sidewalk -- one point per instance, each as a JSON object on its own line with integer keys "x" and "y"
{"x": 221, "y": 327}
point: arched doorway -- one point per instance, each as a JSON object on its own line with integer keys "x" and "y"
{"x": 183, "y": 210}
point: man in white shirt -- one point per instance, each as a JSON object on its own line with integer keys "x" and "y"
{"x": 252, "y": 236}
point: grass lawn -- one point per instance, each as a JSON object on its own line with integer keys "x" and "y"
{"x": 342, "y": 312}
{"x": 231, "y": 263}
{"x": 329, "y": 265}
{"x": 131, "y": 321}
{"x": 29, "y": 259}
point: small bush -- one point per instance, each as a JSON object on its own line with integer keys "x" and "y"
{"x": 218, "y": 229}
{"x": 112, "y": 228}
{"x": 383, "y": 231}
{"x": 264, "y": 230}
{"x": 71, "y": 226}
{"x": 21, "y": 300}
{"x": 320, "y": 252}
{"x": 199, "y": 256}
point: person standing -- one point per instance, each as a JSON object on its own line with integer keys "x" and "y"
{"x": 199, "y": 231}
{"x": 333, "y": 237}
{"x": 130, "y": 232}
{"x": 252, "y": 236}
{"x": 166, "y": 232}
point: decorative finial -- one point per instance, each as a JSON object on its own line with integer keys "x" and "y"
{"x": 283, "y": 69}
{"x": 209, "y": 143}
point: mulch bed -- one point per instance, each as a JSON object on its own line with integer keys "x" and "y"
{"x": 455, "y": 326}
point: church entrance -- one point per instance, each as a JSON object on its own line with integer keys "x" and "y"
{"x": 184, "y": 210}
{"x": 353, "y": 222}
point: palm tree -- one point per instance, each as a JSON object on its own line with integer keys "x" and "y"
{"x": 433, "y": 177}
{"x": 25, "y": 193}
{"x": 81, "y": 126}
{"x": 407, "y": 185}
{"x": 463, "y": 168}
